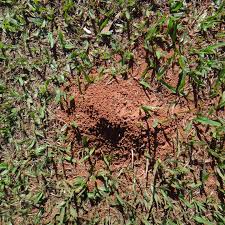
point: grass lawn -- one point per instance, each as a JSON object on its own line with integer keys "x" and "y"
{"x": 112, "y": 112}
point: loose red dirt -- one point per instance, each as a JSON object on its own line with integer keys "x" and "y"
{"x": 110, "y": 114}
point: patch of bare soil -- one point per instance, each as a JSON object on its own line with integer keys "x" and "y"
{"x": 111, "y": 112}
{"x": 112, "y": 115}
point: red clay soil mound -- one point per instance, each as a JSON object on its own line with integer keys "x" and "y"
{"x": 110, "y": 113}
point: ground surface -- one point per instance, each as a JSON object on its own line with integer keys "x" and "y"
{"x": 112, "y": 112}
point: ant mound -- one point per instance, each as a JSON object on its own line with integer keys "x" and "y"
{"x": 110, "y": 114}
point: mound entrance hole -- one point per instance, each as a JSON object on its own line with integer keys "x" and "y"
{"x": 110, "y": 132}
